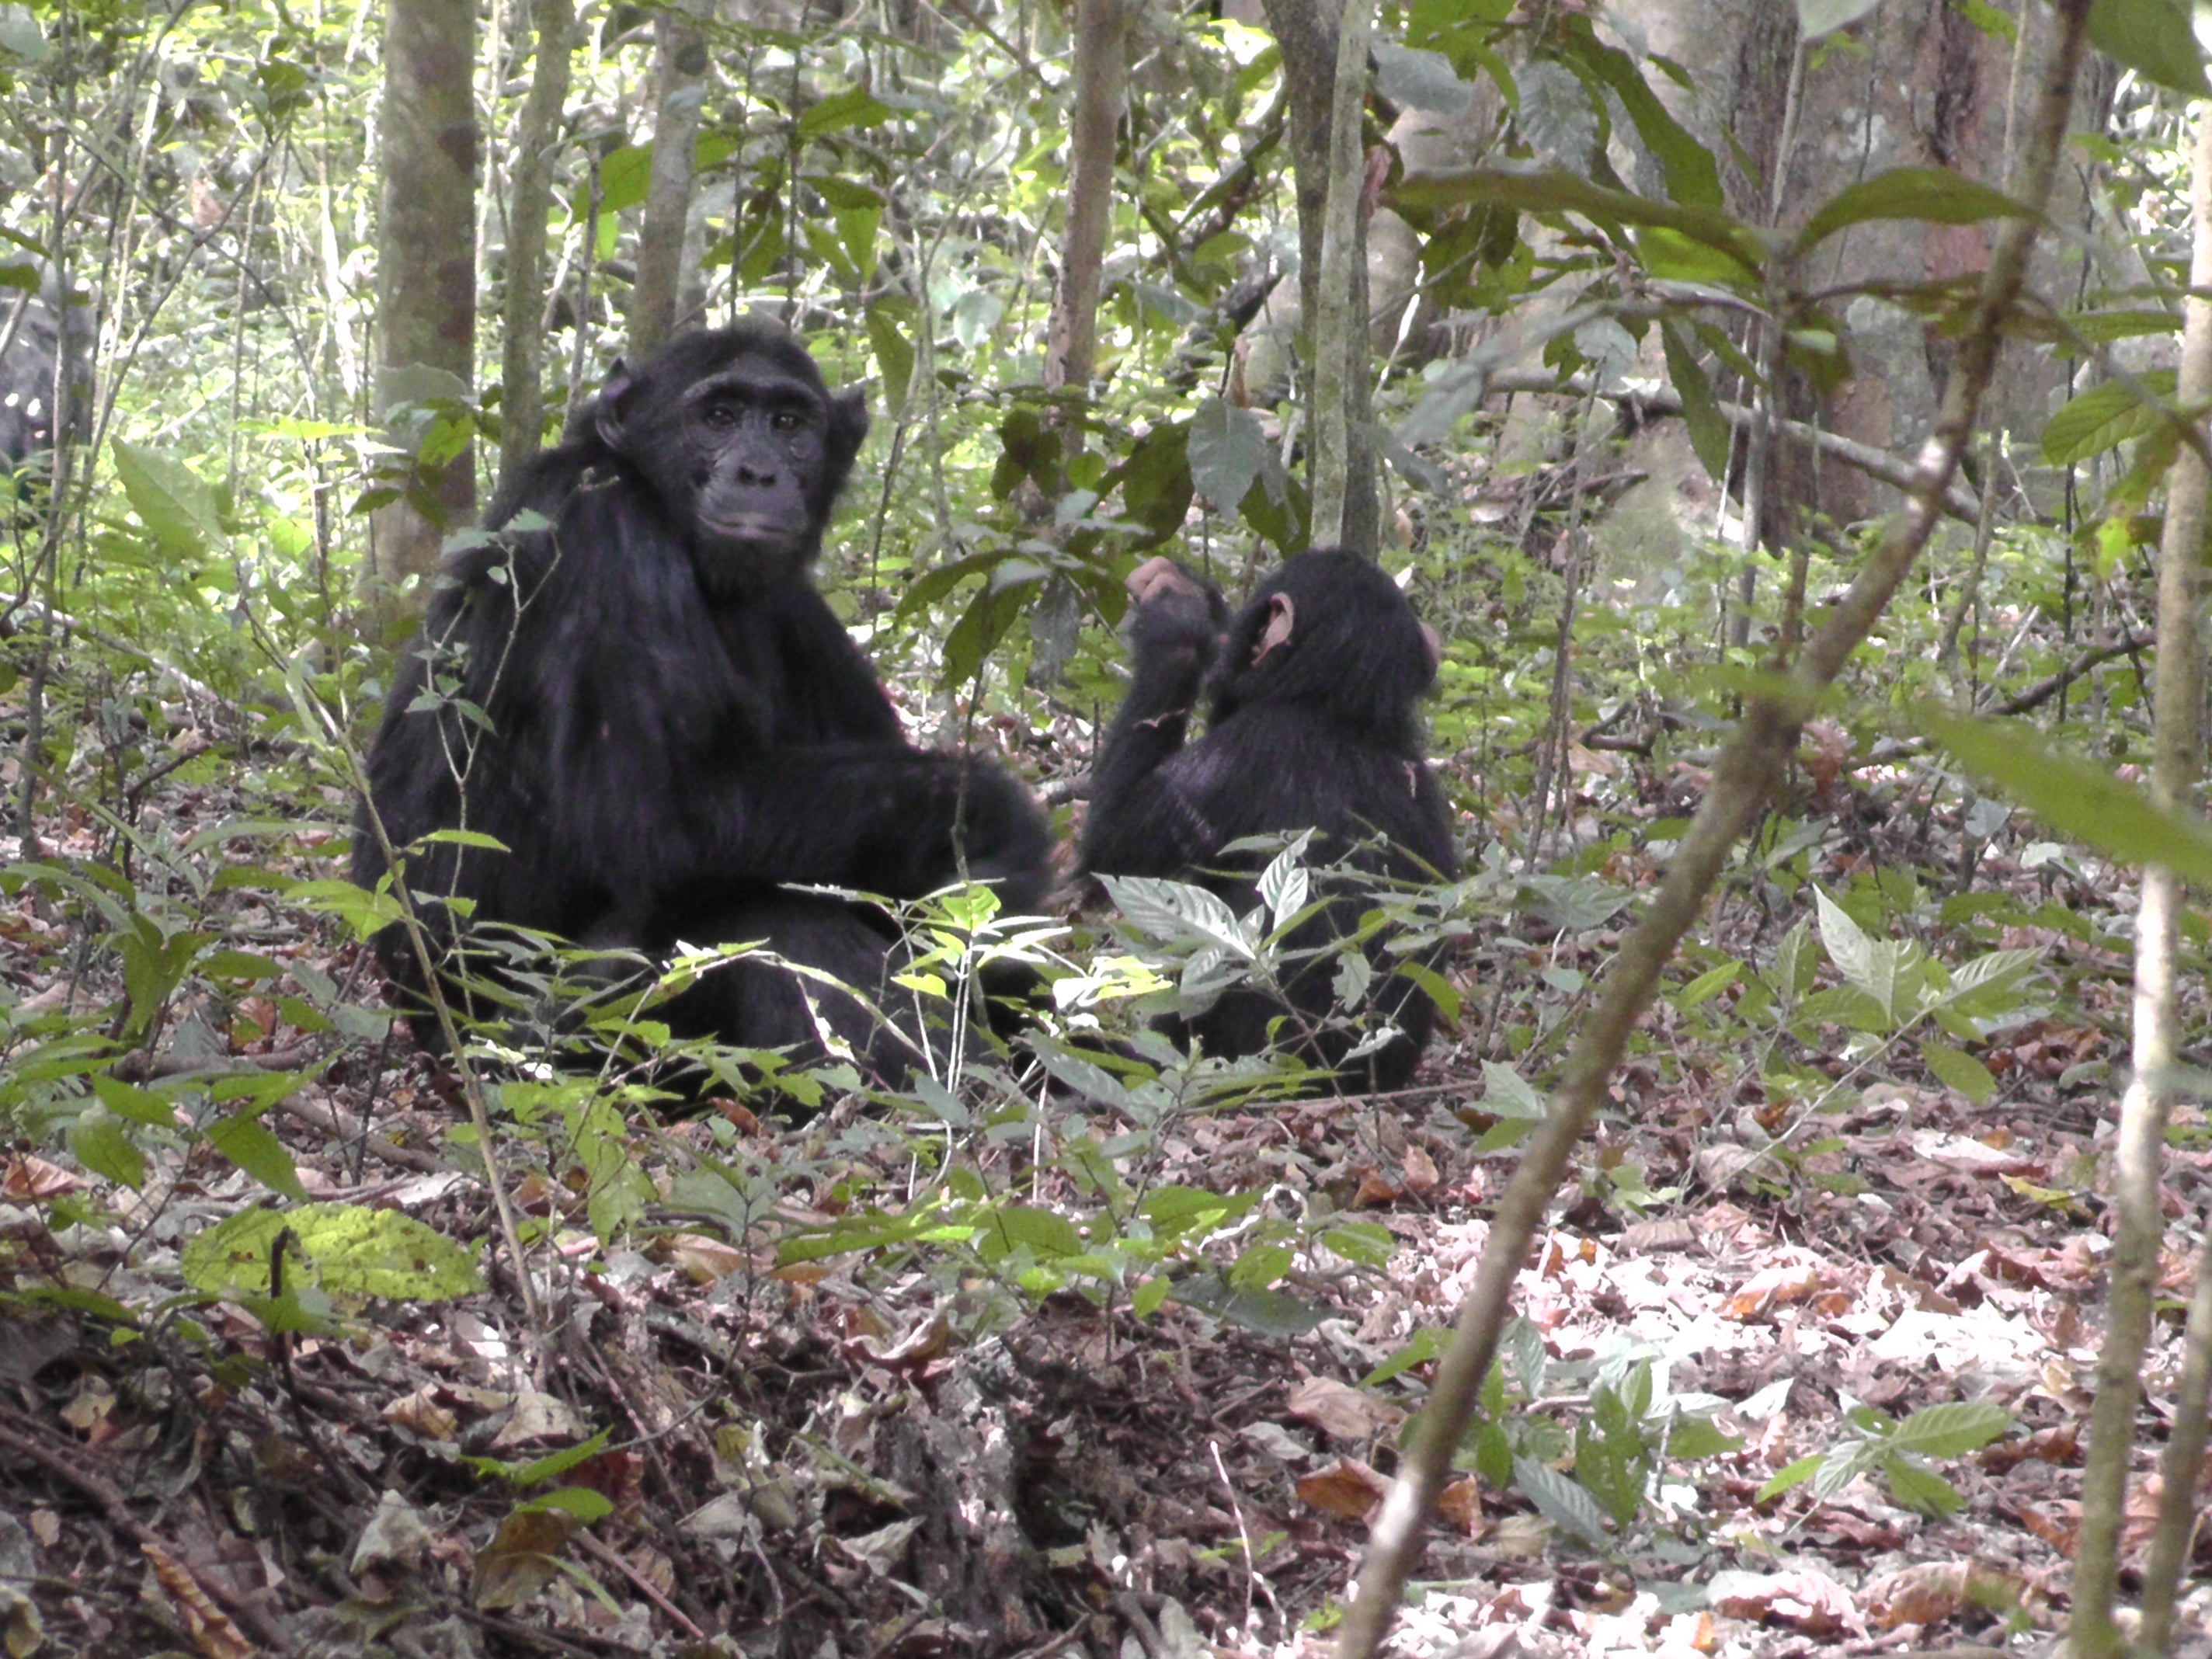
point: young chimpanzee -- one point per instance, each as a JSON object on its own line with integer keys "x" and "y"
{"x": 638, "y": 691}
{"x": 1313, "y": 721}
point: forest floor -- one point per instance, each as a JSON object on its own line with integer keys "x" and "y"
{"x": 856, "y": 1455}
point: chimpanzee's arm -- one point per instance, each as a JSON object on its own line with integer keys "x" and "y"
{"x": 1140, "y": 822}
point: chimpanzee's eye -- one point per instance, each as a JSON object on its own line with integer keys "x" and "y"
{"x": 785, "y": 420}
{"x": 721, "y": 416}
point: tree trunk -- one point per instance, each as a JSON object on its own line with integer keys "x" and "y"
{"x": 680, "y": 82}
{"x": 426, "y": 253}
{"x": 2139, "y": 1229}
{"x": 522, "y": 353}
{"x": 1308, "y": 41}
{"x": 1100, "y": 64}
{"x": 1102, "y": 54}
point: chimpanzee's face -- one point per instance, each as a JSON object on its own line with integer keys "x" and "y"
{"x": 744, "y": 446}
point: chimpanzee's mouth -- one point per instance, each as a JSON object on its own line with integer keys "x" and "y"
{"x": 744, "y": 527}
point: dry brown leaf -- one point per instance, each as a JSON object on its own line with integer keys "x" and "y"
{"x": 1421, "y": 1176}
{"x": 1793, "y": 1282}
{"x": 1373, "y": 1191}
{"x": 1806, "y": 1598}
{"x": 212, "y": 1631}
{"x": 1347, "y": 1490}
{"x": 521, "y": 1559}
{"x": 537, "y": 1419}
{"x": 1340, "y": 1410}
{"x": 421, "y": 1413}
{"x": 1460, "y": 1503}
{"x": 1921, "y": 1594}
{"x": 702, "y": 1260}
{"x": 33, "y": 1177}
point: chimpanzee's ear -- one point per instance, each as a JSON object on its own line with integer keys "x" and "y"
{"x": 607, "y": 414}
{"x": 1282, "y": 619}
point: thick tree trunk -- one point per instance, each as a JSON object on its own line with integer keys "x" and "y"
{"x": 426, "y": 252}
{"x": 522, "y": 355}
{"x": 680, "y": 83}
{"x": 1305, "y": 32}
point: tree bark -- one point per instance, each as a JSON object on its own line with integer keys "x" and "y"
{"x": 680, "y": 81}
{"x": 1743, "y": 777}
{"x": 2139, "y": 1229}
{"x": 426, "y": 252}
{"x": 522, "y": 402}
{"x": 1339, "y": 324}
{"x": 1307, "y": 39}
{"x": 1100, "y": 64}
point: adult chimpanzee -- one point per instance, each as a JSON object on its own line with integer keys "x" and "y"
{"x": 1312, "y": 722}
{"x": 673, "y": 724}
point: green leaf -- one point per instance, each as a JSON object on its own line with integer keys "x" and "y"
{"x": 245, "y": 1141}
{"x": 1956, "y": 1069}
{"x": 1011, "y": 1227}
{"x": 1562, "y": 1502}
{"x": 1951, "y": 1430}
{"x": 1551, "y": 191}
{"x": 624, "y": 175}
{"x": 855, "y": 108}
{"x": 579, "y": 1503}
{"x": 1919, "y": 1487}
{"x": 1858, "y": 957}
{"x": 2078, "y": 798}
{"x": 1692, "y": 177}
{"x": 1170, "y": 910}
{"x": 2104, "y": 417}
{"x": 2154, "y": 38}
{"x": 1936, "y": 194}
{"x": 1227, "y": 451}
{"x": 174, "y": 503}
{"x": 1792, "y": 1475}
{"x": 894, "y": 355}
{"x": 100, "y": 1145}
{"x": 1818, "y": 17}
{"x": 356, "y": 1251}
{"x": 1710, "y": 433}
{"x": 1692, "y": 1437}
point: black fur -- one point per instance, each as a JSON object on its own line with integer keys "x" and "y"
{"x": 677, "y": 723}
{"x": 1317, "y": 727}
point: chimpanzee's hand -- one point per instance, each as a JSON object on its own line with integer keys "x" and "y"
{"x": 1175, "y": 611}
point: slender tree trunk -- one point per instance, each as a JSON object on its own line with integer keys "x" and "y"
{"x": 1306, "y": 32}
{"x": 680, "y": 82}
{"x": 1102, "y": 51}
{"x": 522, "y": 366}
{"x": 1100, "y": 65}
{"x": 1340, "y": 322}
{"x": 2139, "y": 1229}
{"x": 1743, "y": 777}
{"x": 426, "y": 252}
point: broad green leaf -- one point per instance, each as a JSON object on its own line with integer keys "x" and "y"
{"x": 2079, "y": 798}
{"x": 1009, "y": 1227}
{"x": 1791, "y": 1475}
{"x": 100, "y": 1145}
{"x": 1505, "y": 1093}
{"x": 1692, "y": 1437}
{"x": 855, "y": 108}
{"x": 354, "y": 1250}
{"x": 1859, "y": 958}
{"x": 1956, "y": 1069}
{"x": 172, "y": 501}
{"x": 624, "y": 176}
{"x": 1227, "y": 451}
{"x": 1561, "y": 1501}
{"x": 1936, "y": 194}
{"x": 1919, "y": 1487}
{"x": 2104, "y": 417}
{"x": 1710, "y": 433}
{"x": 245, "y": 1141}
{"x": 2154, "y": 38}
{"x": 1692, "y": 177}
{"x": 1818, "y": 17}
{"x": 1707, "y": 985}
{"x": 1551, "y": 191}
{"x": 1175, "y": 909}
{"x": 1951, "y": 1430}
